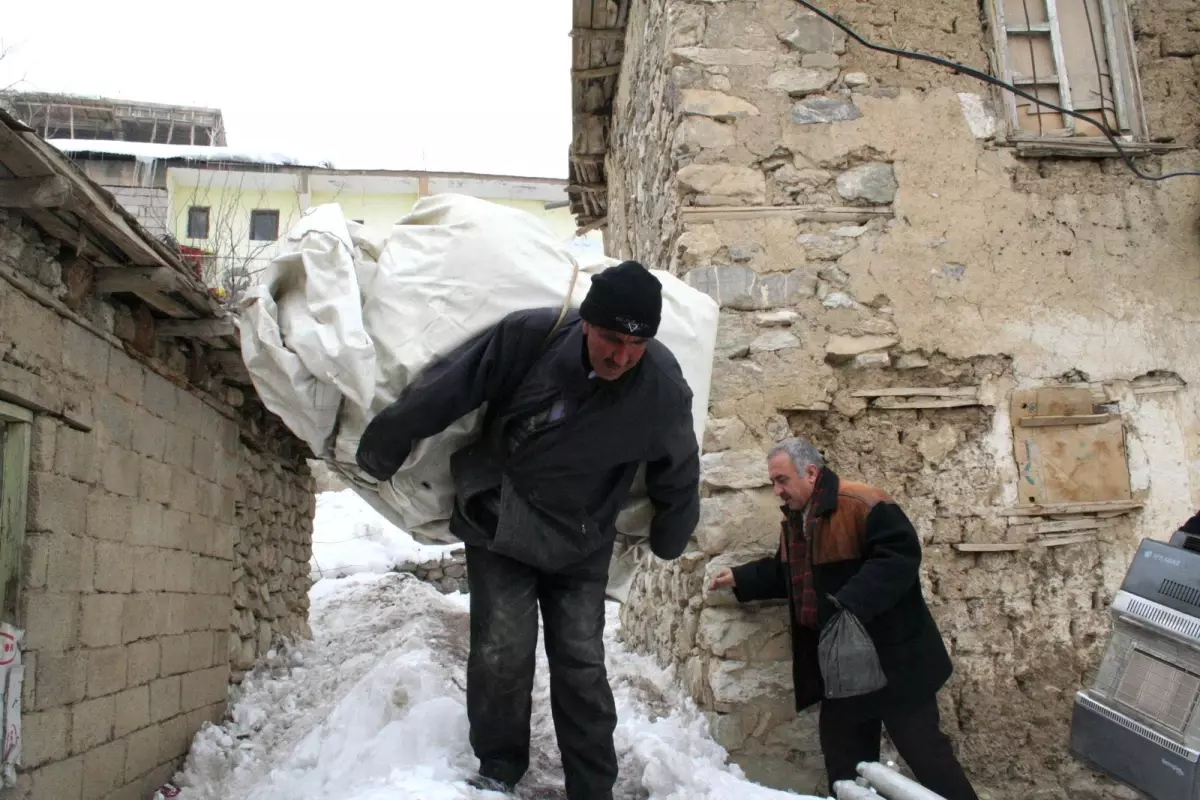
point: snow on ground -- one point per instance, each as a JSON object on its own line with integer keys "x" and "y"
{"x": 373, "y": 708}
{"x": 349, "y": 537}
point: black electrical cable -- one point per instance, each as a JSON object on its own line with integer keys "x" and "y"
{"x": 971, "y": 72}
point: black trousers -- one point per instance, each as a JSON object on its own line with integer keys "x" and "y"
{"x": 505, "y": 595}
{"x": 849, "y": 737}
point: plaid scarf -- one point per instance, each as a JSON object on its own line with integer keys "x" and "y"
{"x": 797, "y": 543}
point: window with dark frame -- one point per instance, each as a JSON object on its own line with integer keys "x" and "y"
{"x": 264, "y": 225}
{"x": 1077, "y": 54}
{"x": 197, "y": 222}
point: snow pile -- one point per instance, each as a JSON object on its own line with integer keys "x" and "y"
{"x": 349, "y": 536}
{"x": 373, "y": 708}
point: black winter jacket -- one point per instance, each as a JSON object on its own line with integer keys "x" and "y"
{"x": 560, "y": 490}
{"x": 866, "y": 554}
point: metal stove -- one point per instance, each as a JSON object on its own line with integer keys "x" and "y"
{"x": 1139, "y": 722}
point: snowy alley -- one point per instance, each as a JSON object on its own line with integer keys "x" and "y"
{"x": 373, "y": 708}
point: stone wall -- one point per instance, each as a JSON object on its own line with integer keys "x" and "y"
{"x": 448, "y": 573}
{"x": 274, "y": 505}
{"x": 866, "y": 236}
{"x": 128, "y": 566}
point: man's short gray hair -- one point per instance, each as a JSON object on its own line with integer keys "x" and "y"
{"x": 801, "y": 451}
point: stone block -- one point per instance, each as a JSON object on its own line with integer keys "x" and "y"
{"x": 161, "y": 396}
{"x": 717, "y": 105}
{"x": 875, "y": 183}
{"x": 103, "y": 770}
{"x": 200, "y": 649}
{"x": 147, "y": 523}
{"x": 115, "y": 564}
{"x": 84, "y": 354}
{"x": 144, "y": 658}
{"x": 114, "y": 419}
{"x": 142, "y": 616}
{"x": 141, "y": 754}
{"x": 773, "y": 341}
{"x": 176, "y": 738}
{"x": 174, "y": 529}
{"x": 724, "y": 180}
{"x": 205, "y": 687}
{"x": 108, "y": 670}
{"x": 164, "y": 698}
{"x": 176, "y": 570}
{"x": 75, "y": 455}
{"x": 44, "y": 444}
{"x": 738, "y": 519}
{"x": 61, "y": 780}
{"x": 44, "y": 736}
{"x": 126, "y": 377}
{"x": 735, "y": 469}
{"x": 872, "y": 361}
{"x": 193, "y": 414}
{"x": 842, "y": 348}
{"x": 149, "y": 576}
{"x": 92, "y": 723}
{"x": 819, "y": 110}
{"x": 179, "y": 609}
{"x": 51, "y": 621}
{"x": 122, "y": 471}
{"x": 57, "y": 504}
{"x": 133, "y": 710}
{"x": 61, "y": 678}
{"x": 109, "y": 516}
{"x": 814, "y": 35}
{"x": 696, "y": 132}
{"x": 154, "y": 481}
{"x": 204, "y": 459}
{"x": 176, "y": 654}
{"x": 737, "y": 683}
{"x": 723, "y": 434}
{"x": 819, "y": 61}
{"x": 723, "y": 57}
{"x": 800, "y": 81}
{"x": 149, "y": 434}
{"x": 745, "y": 635}
{"x": 180, "y": 447}
{"x": 184, "y": 490}
{"x": 68, "y": 563}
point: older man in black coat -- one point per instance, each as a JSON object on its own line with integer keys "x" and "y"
{"x": 575, "y": 405}
{"x": 849, "y": 545}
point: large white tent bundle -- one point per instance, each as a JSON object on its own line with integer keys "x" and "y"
{"x": 345, "y": 318}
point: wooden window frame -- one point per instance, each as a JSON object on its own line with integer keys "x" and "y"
{"x": 207, "y": 221}
{"x": 1121, "y": 54}
{"x": 264, "y": 211}
{"x": 14, "y": 490}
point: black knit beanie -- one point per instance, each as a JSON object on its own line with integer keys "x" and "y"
{"x": 625, "y": 298}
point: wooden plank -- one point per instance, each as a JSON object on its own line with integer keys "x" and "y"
{"x": 1067, "y": 463}
{"x": 598, "y": 33}
{"x": 1059, "y": 541}
{"x": 920, "y": 391}
{"x": 1043, "y": 510}
{"x": 166, "y": 305}
{"x": 111, "y": 280}
{"x": 1063, "y": 526}
{"x": 196, "y": 328}
{"x": 1078, "y": 419}
{"x": 15, "y": 441}
{"x": 805, "y": 213}
{"x": 890, "y": 404}
{"x": 988, "y": 547}
{"x": 50, "y": 191}
{"x": 596, "y": 72}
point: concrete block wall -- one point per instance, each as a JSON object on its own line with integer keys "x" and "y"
{"x": 128, "y": 563}
{"x": 148, "y": 204}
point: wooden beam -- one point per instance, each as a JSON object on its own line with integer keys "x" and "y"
{"x": 1070, "y": 508}
{"x": 111, "y": 280}
{"x": 172, "y": 308}
{"x": 890, "y": 404}
{"x": 806, "y": 213}
{"x": 1078, "y": 419}
{"x": 196, "y": 328}
{"x": 596, "y": 72}
{"x": 988, "y": 547}
{"x": 51, "y": 191}
{"x": 1059, "y": 541}
{"x": 598, "y": 33}
{"x": 587, "y": 187}
{"x": 595, "y": 224}
{"x": 588, "y": 158}
{"x": 15, "y": 451}
{"x": 1064, "y": 526}
{"x": 920, "y": 391}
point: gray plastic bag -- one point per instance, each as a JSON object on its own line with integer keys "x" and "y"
{"x": 849, "y": 663}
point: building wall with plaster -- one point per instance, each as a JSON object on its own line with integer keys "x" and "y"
{"x": 892, "y": 276}
{"x": 167, "y": 540}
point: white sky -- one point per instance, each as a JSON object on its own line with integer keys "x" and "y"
{"x": 454, "y": 85}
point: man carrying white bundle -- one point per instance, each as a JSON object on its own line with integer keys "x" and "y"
{"x": 573, "y": 409}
